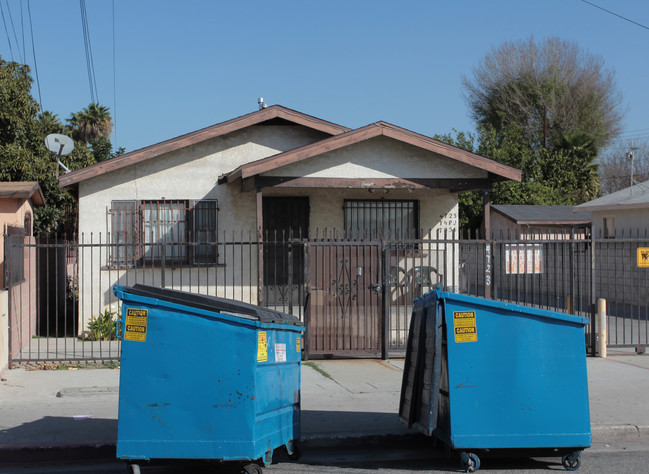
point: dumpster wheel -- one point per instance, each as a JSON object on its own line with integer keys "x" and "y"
{"x": 572, "y": 461}
{"x": 470, "y": 462}
{"x": 133, "y": 468}
{"x": 252, "y": 468}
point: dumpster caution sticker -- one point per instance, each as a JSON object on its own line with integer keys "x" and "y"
{"x": 298, "y": 343}
{"x": 262, "y": 346}
{"x": 136, "y": 323}
{"x": 465, "y": 327}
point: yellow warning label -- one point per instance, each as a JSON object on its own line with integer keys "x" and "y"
{"x": 465, "y": 326}
{"x": 262, "y": 347}
{"x": 298, "y": 345}
{"x": 643, "y": 257}
{"x": 136, "y": 324}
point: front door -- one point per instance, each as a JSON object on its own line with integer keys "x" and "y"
{"x": 286, "y": 222}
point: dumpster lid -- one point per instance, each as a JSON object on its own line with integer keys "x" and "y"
{"x": 212, "y": 303}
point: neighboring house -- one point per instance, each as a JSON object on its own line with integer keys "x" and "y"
{"x": 538, "y": 222}
{"x": 624, "y": 213}
{"x": 266, "y": 172}
{"x": 622, "y": 263}
{"x": 17, "y": 203}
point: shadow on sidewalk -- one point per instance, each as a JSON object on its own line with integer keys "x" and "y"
{"x": 338, "y": 424}
{"x": 59, "y": 432}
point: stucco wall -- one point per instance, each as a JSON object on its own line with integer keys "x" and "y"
{"x": 12, "y": 213}
{"x": 380, "y": 157}
{"x": 4, "y": 330}
{"x": 192, "y": 174}
{"x": 628, "y": 222}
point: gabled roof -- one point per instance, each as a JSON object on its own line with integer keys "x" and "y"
{"x": 634, "y": 197}
{"x": 274, "y": 112}
{"x": 22, "y": 190}
{"x": 365, "y": 133}
{"x": 542, "y": 215}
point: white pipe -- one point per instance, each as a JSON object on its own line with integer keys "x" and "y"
{"x": 601, "y": 317}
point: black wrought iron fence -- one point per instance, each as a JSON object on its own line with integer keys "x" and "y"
{"x": 355, "y": 295}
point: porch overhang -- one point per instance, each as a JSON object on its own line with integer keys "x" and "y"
{"x": 255, "y": 175}
{"x": 292, "y": 182}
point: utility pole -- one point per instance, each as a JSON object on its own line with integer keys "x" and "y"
{"x": 631, "y": 156}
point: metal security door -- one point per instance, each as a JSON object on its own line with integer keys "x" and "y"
{"x": 286, "y": 221}
{"x": 345, "y": 298}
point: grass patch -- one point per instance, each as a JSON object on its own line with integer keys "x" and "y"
{"x": 107, "y": 364}
{"x": 318, "y": 369}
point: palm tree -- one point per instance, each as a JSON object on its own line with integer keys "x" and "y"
{"x": 50, "y": 122}
{"x": 92, "y": 123}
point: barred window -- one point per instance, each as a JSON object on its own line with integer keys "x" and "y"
{"x": 381, "y": 219}
{"x": 16, "y": 258}
{"x": 171, "y": 231}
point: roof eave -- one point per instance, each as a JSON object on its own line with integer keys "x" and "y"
{"x": 497, "y": 171}
{"x": 213, "y": 131}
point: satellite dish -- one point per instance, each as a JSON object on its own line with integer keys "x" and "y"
{"x": 61, "y": 145}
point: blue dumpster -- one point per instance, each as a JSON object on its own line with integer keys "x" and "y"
{"x": 205, "y": 378}
{"x": 488, "y": 375}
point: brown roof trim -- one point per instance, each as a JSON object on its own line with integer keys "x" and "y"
{"x": 365, "y": 133}
{"x": 192, "y": 138}
{"x": 22, "y": 190}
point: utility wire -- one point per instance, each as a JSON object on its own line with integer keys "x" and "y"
{"x": 13, "y": 29}
{"x": 114, "y": 84}
{"x": 31, "y": 29}
{"x": 22, "y": 28}
{"x": 11, "y": 51}
{"x": 615, "y": 14}
{"x": 92, "y": 80}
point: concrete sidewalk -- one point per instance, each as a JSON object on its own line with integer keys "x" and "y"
{"x": 71, "y": 410}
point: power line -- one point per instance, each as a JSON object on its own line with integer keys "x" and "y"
{"x": 13, "y": 29}
{"x": 11, "y": 51}
{"x": 22, "y": 29}
{"x": 634, "y": 131}
{"x": 114, "y": 84}
{"x": 31, "y": 29}
{"x": 92, "y": 80}
{"x": 615, "y": 14}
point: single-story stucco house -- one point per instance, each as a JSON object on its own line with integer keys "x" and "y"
{"x": 512, "y": 221}
{"x": 17, "y": 202}
{"x": 272, "y": 174}
{"x": 624, "y": 213}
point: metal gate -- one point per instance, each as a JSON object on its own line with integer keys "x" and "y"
{"x": 345, "y": 303}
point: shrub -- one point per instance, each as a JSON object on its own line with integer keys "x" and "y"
{"x": 102, "y": 327}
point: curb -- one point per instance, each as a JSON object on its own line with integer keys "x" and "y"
{"x": 20, "y": 453}
{"x": 606, "y": 433}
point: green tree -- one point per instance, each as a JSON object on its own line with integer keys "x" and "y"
{"x": 545, "y": 108}
{"x": 23, "y": 155}
{"x": 566, "y": 175}
{"x": 547, "y": 89}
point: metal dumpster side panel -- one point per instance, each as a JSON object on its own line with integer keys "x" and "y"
{"x": 421, "y": 377}
{"x": 410, "y": 383}
{"x": 521, "y": 384}
{"x": 194, "y": 389}
{"x": 277, "y": 387}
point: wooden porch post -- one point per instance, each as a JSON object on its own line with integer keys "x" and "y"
{"x": 489, "y": 245}
{"x": 486, "y": 223}
{"x": 260, "y": 246}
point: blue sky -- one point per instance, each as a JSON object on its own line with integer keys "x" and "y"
{"x": 184, "y": 65}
